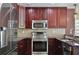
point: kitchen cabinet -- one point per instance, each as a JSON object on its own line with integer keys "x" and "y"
{"x": 67, "y": 47}
{"x": 51, "y": 16}
{"x": 21, "y": 17}
{"x": 70, "y": 49}
{"x": 29, "y": 17}
{"x": 54, "y": 47}
{"x": 24, "y": 47}
{"x": 59, "y": 47}
{"x": 39, "y": 13}
{"x": 21, "y": 47}
{"x": 51, "y": 46}
{"x": 33, "y": 14}
{"x": 56, "y": 16}
{"x": 62, "y": 17}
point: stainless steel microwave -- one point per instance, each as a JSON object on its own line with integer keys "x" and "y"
{"x": 39, "y": 24}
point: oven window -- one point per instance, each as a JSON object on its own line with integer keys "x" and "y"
{"x": 39, "y": 46}
{"x": 38, "y": 25}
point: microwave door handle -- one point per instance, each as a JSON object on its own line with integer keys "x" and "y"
{"x": 45, "y": 24}
{"x": 32, "y": 25}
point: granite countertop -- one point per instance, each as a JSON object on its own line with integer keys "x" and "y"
{"x": 70, "y": 42}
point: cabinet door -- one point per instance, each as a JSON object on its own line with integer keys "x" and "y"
{"x": 21, "y": 17}
{"x": 62, "y": 17}
{"x": 42, "y": 14}
{"x": 51, "y": 46}
{"x": 24, "y": 47}
{"x": 27, "y": 19}
{"x": 51, "y": 15}
{"x": 39, "y": 13}
{"x": 21, "y": 47}
{"x": 34, "y": 14}
{"x": 30, "y": 14}
{"x": 28, "y": 46}
{"x": 59, "y": 48}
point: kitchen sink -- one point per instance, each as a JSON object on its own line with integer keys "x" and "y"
{"x": 66, "y": 40}
{"x": 76, "y": 44}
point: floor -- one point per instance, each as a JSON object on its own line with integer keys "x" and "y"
{"x": 13, "y": 53}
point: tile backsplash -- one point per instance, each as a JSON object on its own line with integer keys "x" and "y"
{"x": 24, "y": 33}
{"x": 56, "y": 32}
{"x": 52, "y": 32}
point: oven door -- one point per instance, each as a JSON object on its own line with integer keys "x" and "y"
{"x": 40, "y": 47}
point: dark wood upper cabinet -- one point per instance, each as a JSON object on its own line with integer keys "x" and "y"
{"x": 30, "y": 15}
{"x": 34, "y": 14}
{"x": 26, "y": 21}
{"x": 62, "y": 17}
{"x": 39, "y": 13}
{"x": 57, "y": 17}
{"x": 51, "y": 16}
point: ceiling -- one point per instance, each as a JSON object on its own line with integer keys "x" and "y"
{"x": 69, "y": 5}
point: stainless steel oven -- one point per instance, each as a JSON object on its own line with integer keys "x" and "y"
{"x": 39, "y": 43}
{"x": 39, "y": 47}
{"x": 39, "y": 24}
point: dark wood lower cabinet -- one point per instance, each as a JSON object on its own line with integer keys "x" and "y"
{"x": 51, "y": 46}
{"x": 24, "y": 47}
{"x": 54, "y": 47}
{"x": 59, "y": 47}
